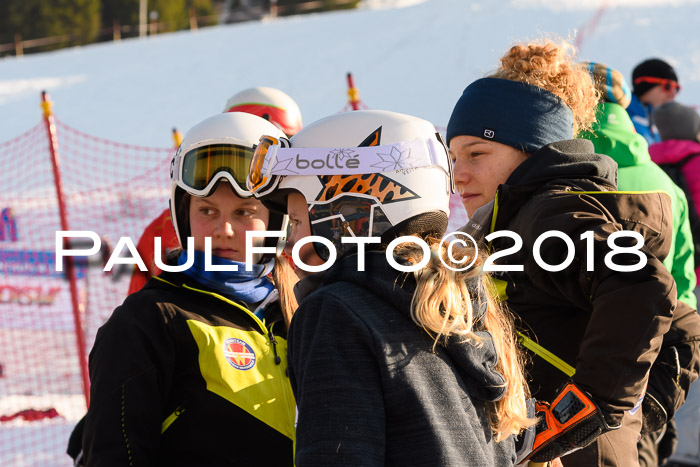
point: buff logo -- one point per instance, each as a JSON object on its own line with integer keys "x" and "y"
{"x": 254, "y": 248}
{"x": 332, "y": 161}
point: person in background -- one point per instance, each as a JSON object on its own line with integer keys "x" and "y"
{"x": 161, "y": 226}
{"x": 594, "y": 328}
{"x": 679, "y": 128}
{"x": 613, "y": 134}
{"x": 269, "y": 103}
{"x": 654, "y": 83}
{"x": 388, "y": 367}
{"x": 198, "y": 356}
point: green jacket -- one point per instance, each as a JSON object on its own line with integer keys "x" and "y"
{"x": 614, "y": 135}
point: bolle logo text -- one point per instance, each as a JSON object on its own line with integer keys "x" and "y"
{"x": 332, "y": 161}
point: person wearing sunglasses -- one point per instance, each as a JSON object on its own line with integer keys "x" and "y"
{"x": 389, "y": 367}
{"x": 654, "y": 82}
{"x": 613, "y": 135}
{"x": 197, "y": 358}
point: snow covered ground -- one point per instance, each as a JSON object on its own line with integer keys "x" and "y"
{"x": 412, "y": 56}
{"x": 409, "y": 56}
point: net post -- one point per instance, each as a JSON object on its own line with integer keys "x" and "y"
{"x": 177, "y": 138}
{"x": 49, "y": 122}
{"x": 353, "y": 93}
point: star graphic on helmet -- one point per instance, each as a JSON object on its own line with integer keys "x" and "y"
{"x": 342, "y": 153}
{"x": 395, "y": 160}
{"x": 282, "y": 167}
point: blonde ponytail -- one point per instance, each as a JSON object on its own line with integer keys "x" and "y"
{"x": 444, "y": 306}
{"x": 284, "y": 278}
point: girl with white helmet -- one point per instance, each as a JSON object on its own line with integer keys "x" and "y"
{"x": 388, "y": 367}
{"x": 191, "y": 369}
{"x": 269, "y": 103}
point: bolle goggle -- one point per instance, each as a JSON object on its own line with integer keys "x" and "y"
{"x": 668, "y": 84}
{"x": 199, "y": 169}
{"x": 274, "y": 159}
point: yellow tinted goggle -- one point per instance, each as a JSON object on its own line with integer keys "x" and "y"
{"x": 202, "y": 167}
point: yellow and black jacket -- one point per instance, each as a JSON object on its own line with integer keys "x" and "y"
{"x": 183, "y": 376}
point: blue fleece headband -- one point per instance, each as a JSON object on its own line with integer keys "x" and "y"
{"x": 520, "y": 115}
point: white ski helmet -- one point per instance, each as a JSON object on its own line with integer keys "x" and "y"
{"x": 270, "y": 104}
{"x": 363, "y": 173}
{"x": 217, "y": 149}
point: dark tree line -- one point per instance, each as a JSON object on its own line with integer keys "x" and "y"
{"x": 86, "y": 21}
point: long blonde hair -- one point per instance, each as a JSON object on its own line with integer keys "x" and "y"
{"x": 550, "y": 65}
{"x": 444, "y": 306}
{"x": 284, "y": 278}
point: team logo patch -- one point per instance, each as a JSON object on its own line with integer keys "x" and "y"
{"x": 239, "y": 354}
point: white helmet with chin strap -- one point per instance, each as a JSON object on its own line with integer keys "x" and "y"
{"x": 363, "y": 173}
{"x": 217, "y": 149}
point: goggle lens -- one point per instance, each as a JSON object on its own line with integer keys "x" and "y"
{"x": 256, "y": 179}
{"x": 201, "y": 165}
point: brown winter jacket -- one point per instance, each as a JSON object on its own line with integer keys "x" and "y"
{"x": 608, "y": 325}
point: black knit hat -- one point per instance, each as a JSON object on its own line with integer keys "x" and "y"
{"x": 652, "y": 68}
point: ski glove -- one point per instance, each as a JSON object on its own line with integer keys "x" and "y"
{"x": 571, "y": 422}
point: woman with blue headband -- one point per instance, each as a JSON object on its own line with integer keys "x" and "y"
{"x": 578, "y": 263}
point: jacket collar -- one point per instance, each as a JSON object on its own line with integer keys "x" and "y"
{"x": 613, "y": 134}
{"x": 673, "y": 151}
{"x": 569, "y": 160}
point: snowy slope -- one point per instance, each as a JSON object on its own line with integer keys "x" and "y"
{"x": 412, "y": 56}
{"x": 414, "y": 59}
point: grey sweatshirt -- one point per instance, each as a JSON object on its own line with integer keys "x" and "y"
{"x": 371, "y": 391}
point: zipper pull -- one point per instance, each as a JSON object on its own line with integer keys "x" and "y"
{"x": 278, "y": 360}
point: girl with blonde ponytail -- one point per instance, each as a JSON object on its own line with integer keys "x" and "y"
{"x": 388, "y": 367}
{"x": 458, "y": 305}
